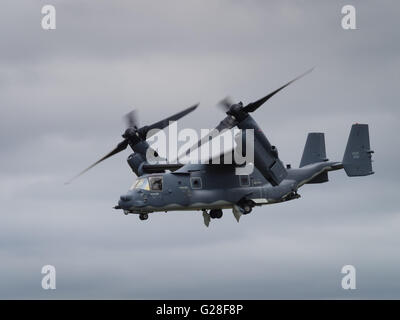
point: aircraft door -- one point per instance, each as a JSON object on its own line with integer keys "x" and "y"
{"x": 156, "y": 190}
{"x": 183, "y": 192}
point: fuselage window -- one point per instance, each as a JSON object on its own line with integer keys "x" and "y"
{"x": 196, "y": 182}
{"x": 156, "y": 183}
{"x": 244, "y": 181}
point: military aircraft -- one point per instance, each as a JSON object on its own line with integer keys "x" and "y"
{"x": 210, "y": 187}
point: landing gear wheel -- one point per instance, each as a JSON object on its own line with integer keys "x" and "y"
{"x": 216, "y": 213}
{"x": 143, "y": 216}
{"x": 246, "y": 209}
{"x": 246, "y": 206}
{"x": 213, "y": 214}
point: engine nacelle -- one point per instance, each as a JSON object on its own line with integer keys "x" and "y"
{"x": 266, "y": 158}
{"x": 136, "y": 162}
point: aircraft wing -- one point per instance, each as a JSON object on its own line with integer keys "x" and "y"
{"x": 225, "y": 158}
{"x": 159, "y": 168}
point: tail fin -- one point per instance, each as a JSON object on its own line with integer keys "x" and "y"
{"x": 314, "y": 150}
{"x": 357, "y": 157}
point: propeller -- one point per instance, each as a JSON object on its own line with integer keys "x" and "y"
{"x": 131, "y": 119}
{"x": 225, "y": 104}
{"x": 236, "y": 113}
{"x": 133, "y": 134}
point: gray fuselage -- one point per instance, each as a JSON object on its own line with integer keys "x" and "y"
{"x": 204, "y": 186}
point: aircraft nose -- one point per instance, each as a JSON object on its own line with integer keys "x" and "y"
{"x": 126, "y": 197}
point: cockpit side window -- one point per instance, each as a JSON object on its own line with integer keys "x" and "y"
{"x": 196, "y": 182}
{"x": 156, "y": 183}
{"x": 141, "y": 183}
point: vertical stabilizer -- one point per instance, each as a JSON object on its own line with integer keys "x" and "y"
{"x": 357, "y": 157}
{"x": 314, "y": 150}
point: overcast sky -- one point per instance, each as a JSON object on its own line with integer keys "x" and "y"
{"x": 63, "y": 94}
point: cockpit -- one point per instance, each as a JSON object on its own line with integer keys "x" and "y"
{"x": 142, "y": 183}
{"x": 153, "y": 183}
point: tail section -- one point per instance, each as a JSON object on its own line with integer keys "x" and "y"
{"x": 314, "y": 150}
{"x": 357, "y": 157}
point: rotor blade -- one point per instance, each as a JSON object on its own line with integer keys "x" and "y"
{"x": 256, "y": 104}
{"x": 228, "y": 123}
{"x": 225, "y": 103}
{"x": 120, "y": 147}
{"x": 165, "y": 122}
{"x": 131, "y": 119}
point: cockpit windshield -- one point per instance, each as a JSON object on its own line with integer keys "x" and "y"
{"x": 142, "y": 183}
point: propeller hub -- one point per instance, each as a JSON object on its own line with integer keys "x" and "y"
{"x": 236, "y": 110}
{"x": 129, "y": 133}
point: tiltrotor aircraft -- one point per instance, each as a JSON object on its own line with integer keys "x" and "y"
{"x": 214, "y": 187}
